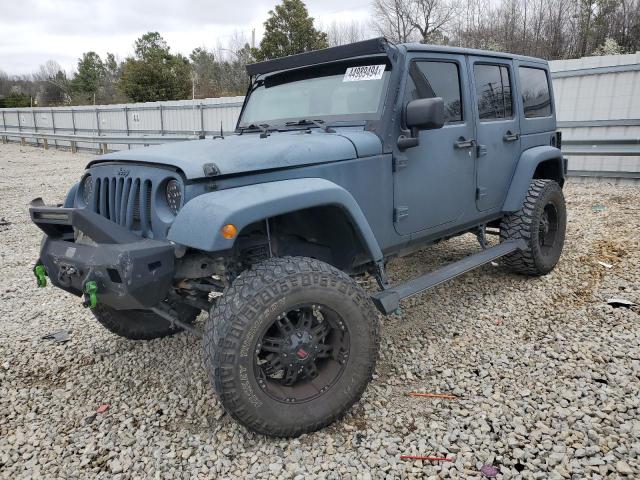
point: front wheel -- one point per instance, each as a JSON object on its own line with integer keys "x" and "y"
{"x": 541, "y": 222}
{"x": 141, "y": 324}
{"x": 291, "y": 345}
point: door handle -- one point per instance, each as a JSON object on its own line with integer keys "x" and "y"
{"x": 464, "y": 143}
{"x": 511, "y": 137}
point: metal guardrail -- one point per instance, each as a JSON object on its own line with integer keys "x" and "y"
{"x": 618, "y": 147}
{"x": 184, "y": 117}
{"x": 103, "y": 141}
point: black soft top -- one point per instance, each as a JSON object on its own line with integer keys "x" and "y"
{"x": 374, "y": 46}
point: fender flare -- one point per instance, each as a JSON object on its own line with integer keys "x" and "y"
{"x": 199, "y": 222}
{"x": 529, "y": 161}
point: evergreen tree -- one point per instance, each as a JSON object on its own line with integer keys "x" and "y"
{"x": 91, "y": 72}
{"x": 289, "y": 30}
{"x": 16, "y": 99}
{"x": 155, "y": 73}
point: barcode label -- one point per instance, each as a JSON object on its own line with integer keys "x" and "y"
{"x": 365, "y": 72}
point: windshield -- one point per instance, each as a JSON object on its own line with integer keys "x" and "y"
{"x": 341, "y": 91}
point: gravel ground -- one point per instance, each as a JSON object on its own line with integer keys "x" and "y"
{"x": 546, "y": 372}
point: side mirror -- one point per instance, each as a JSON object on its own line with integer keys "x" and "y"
{"x": 421, "y": 114}
{"x": 425, "y": 113}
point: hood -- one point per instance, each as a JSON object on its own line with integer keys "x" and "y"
{"x": 237, "y": 154}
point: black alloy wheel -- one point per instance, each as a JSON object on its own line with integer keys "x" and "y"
{"x": 548, "y": 228}
{"x": 302, "y": 353}
{"x": 290, "y": 345}
{"x": 541, "y": 223}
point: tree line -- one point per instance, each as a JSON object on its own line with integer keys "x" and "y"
{"x": 551, "y": 29}
{"x": 155, "y": 73}
{"x": 152, "y": 73}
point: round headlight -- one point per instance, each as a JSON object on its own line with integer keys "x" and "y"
{"x": 87, "y": 189}
{"x": 174, "y": 196}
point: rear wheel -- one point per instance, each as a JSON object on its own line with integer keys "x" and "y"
{"x": 541, "y": 222}
{"x": 291, "y": 345}
{"x": 141, "y": 324}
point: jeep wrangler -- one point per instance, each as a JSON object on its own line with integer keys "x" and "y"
{"x": 342, "y": 159}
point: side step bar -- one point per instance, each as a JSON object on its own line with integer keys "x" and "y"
{"x": 388, "y": 300}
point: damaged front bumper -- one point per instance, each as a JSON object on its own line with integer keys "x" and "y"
{"x": 83, "y": 251}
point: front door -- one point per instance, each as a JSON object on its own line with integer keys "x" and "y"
{"x": 497, "y": 129}
{"x": 434, "y": 182}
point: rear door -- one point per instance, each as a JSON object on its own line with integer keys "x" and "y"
{"x": 497, "y": 129}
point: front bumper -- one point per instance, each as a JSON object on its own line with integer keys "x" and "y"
{"x": 130, "y": 272}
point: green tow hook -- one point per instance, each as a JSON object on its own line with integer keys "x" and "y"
{"x": 41, "y": 275}
{"x": 90, "y": 294}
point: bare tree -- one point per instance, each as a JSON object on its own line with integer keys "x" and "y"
{"x": 341, "y": 33}
{"x": 392, "y": 18}
{"x": 53, "y": 84}
{"x": 431, "y": 18}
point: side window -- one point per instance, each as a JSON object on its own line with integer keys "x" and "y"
{"x": 493, "y": 91}
{"x": 429, "y": 79}
{"x": 535, "y": 92}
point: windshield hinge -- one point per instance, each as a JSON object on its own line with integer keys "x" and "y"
{"x": 400, "y": 162}
{"x": 399, "y": 213}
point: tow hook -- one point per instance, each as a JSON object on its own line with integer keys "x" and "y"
{"x": 90, "y": 294}
{"x": 41, "y": 275}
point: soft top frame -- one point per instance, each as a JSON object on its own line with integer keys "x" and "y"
{"x": 358, "y": 49}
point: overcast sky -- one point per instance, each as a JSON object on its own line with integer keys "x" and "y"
{"x": 34, "y": 31}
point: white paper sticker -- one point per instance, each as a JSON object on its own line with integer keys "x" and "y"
{"x": 365, "y": 72}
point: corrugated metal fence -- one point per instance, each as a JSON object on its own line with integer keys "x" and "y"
{"x": 597, "y": 102}
{"x": 598, "y": 112}
{"x": 156, "y": 121}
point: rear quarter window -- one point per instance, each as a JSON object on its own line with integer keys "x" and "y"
{"x": 493, "y": 92}
{"x": 534, "y": 88}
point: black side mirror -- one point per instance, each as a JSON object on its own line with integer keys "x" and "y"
{"x": 421, "y": 114}
{"x": 425, "y": 113}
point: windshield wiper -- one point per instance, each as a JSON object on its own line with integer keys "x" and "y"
{"x": 263, "y": 127}
{"x": 318, "y": 123}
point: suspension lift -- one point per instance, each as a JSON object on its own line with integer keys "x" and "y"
{"x": 171, "y": 317}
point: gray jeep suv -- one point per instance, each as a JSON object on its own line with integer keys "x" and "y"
{"x": 342, "y": 159}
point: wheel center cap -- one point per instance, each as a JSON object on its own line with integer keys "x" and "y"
{"x": 301, "y": 345}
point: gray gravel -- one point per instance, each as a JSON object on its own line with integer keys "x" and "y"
{"x": 547, "y": 373}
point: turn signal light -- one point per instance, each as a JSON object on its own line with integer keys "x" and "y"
{"x": 229, "y": 231}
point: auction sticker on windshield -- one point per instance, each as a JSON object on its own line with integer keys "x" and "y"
{"x": 365, "y": 72}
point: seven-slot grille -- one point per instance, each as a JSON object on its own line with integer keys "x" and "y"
{"x": 125, "y": 201}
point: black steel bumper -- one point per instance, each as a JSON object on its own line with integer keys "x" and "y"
{"x": 130, "y": 272}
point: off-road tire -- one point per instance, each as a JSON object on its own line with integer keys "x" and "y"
{"x": 526, "y": 224}
{"x": 141, "y": 324}
{"x": 256, "y": 298}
